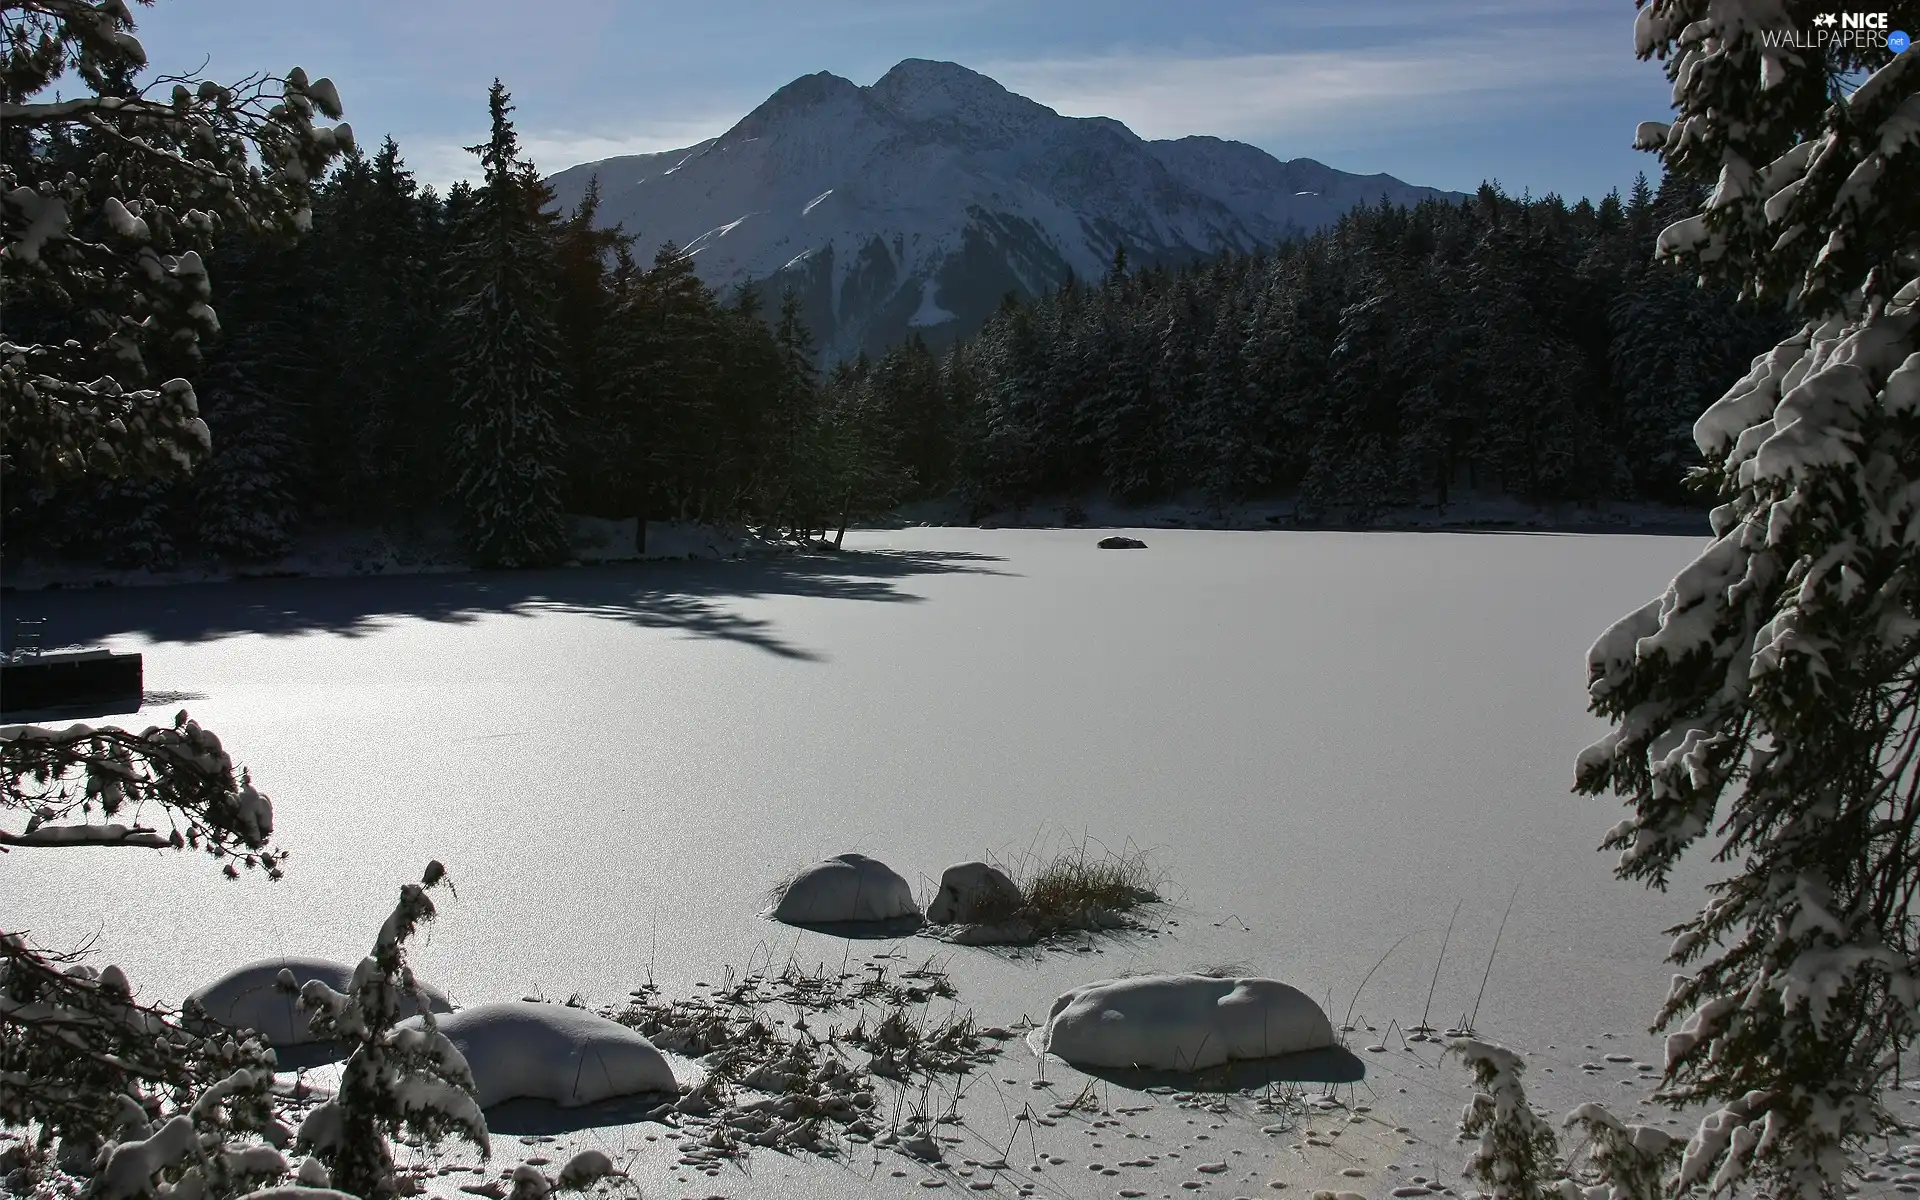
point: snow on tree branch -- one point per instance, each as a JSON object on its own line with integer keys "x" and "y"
{"x": 69, "y": 785}
{"x": 1813, "y": 187}
{"x": 82, "y": 1057}
{"x": 1517, "y": 1155}
{"x": 1771, "y": 697}
{"x": 1629, "y": 1162}
{"x": 107, "y": 204}
{"x": 397, "y": 1077}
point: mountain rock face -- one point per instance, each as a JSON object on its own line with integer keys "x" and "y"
{"x": 916, "y": 204}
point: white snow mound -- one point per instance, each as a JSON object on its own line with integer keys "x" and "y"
{"x": 1181, "y": 1022}
{"x": 250, "y": 998}
{"x": 973, "y": 891}
{"x": 518, "y": 1049}
{"x": 846, "y": 887}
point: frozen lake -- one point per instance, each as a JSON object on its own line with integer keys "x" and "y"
{"x": 1328, "y": 740}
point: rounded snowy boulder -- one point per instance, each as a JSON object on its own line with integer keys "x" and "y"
{"x": 1182, "y": 1022}
{"x": 972, "y": 892}
{"x": 251, "y": 997}
{"x": 846, "y": 887}
{"x": 518, "y": 1049}
{"x": 1117, "y": 542}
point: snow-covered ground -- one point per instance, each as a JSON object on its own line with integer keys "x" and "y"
{"x": 1330, "y": 739}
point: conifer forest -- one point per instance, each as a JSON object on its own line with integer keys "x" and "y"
{"x": 483, "y": 359}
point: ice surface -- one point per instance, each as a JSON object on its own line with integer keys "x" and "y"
{"x": 250, "y": 997}
{"x": 569, "y": 1056}
{"x": 1182, "y": 1022}
{"x": 1327, "y": 739}
{"x": 1328, "y": 736}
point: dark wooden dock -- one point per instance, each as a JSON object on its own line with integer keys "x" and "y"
{"x": 86, "y": 681}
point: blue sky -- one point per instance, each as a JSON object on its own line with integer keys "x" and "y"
{"x": 1539, "y": 94}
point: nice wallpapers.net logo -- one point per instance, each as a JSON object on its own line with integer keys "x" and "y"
{"x": 1842, "y": 29}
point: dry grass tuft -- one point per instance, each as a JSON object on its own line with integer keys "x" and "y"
{"x": 1082, "y": 886}
{"x": 1085, "y": 877}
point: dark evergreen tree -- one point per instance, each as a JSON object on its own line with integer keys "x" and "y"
{"x": 508, "y": 385}
{"x": 794, "y": 488}
{"x": 585, "y": 259}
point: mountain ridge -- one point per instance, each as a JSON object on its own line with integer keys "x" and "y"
{"x": 917, "y": 202}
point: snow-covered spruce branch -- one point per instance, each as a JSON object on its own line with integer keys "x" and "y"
{"x": 107, "y": 204}
{"x": 82, "y": 1059}
{"x": 1813, "y": 185}
{"x": 1625, "y": 1162}
{"x": 71, "y": 427}
{"x": 1517, "y": 1156}
{"x": 69, "y": 785}
{"x": 397, "y": 1077}
{"x": 1771, "y": 698}
{"x": 1774, "y": 690}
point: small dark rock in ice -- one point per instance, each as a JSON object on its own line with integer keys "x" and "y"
{"x": 1122, "y": 543}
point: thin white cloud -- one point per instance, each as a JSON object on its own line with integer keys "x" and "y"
{"x": 1321, "y": 92}
{"x": 440, "y": 162}
{"x": 559, "y": 150}
{"x": 1460, "y": 17}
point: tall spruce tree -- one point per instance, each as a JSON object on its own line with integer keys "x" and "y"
{"x": 508, "y": 385}
{"x": 797, "y": 409}
{"x": 585, "y": 259}
{"x": 1770, "y": 701}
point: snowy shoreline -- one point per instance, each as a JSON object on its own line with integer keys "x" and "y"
{"x": 347, "y": 554}
{"x": 599, "y": 542}
{"x": 1490, "y": 514}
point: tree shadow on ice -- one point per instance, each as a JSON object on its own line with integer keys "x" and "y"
{"x": 306, "y": 1056}
{"x": 1335, "y": 1064}
{"x": 532, "y": 1118}
{"x": 691, "y": 597}
{"x": 892, "y": 929}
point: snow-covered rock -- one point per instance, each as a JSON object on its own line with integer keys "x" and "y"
{"x": 1119, "y": 542}
{"x": 570, "y": 1056}
{"x": 251, "y": 997}
{"x": 1181, "y": 1022}
{"x": 973, "y": 891}
{"x": 846, "y": 887}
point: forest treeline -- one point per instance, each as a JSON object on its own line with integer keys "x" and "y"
{"x": 1520, "y": 346}
{"x": 481, "y": 358}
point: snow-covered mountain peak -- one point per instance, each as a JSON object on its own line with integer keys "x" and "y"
{"x": 919, "y": 202}
{"x": 822, "y": 96}
{"x": 920, "y": 89}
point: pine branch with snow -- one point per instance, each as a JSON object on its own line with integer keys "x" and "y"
{"x": 1627, "y": 1162}
{"x": 102, "y": 786}
{"x": 161, "y": 1108}
{"x": 1517, "y": 1156}
{"x": 397, "y": 1077}
{"x": 108, "y": 203}
{"x": 80, "y": 1057}
{"x": 1770, "y": 699}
